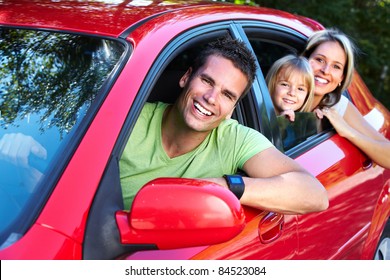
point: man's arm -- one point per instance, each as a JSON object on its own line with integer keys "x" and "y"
{"x": 277, "y": 183}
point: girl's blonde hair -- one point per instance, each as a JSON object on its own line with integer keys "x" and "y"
{"x": 289, "y": 64}
{"x": 333, "y": 35}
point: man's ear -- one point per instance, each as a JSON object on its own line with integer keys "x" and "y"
{"x": 184, "y": 79}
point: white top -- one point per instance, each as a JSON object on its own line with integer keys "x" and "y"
{"x": 341, "y": 106}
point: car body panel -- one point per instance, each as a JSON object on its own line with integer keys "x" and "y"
{"x": 351, "y": 180}
{"x": 112, "y": 19}
{"x": 55, "y": 246}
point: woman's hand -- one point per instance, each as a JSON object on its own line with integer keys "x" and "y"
{"x": 335, "y": 119}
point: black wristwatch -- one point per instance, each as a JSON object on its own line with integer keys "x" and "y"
{"x": 236, "y": 184}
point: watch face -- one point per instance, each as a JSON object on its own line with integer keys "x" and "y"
{"x": 236, "y": 184}
{"x": 235, "y": 180}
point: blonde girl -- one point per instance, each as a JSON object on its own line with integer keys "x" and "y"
{"x": 291, "y": 85}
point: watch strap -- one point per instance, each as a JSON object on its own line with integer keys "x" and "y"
{"x": 236, "y": 184}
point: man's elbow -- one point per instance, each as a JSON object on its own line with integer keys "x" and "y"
{"x": 323, "y": 201}
{"x": 317, "y": 203}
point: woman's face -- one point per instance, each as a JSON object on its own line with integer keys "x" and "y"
{"x": 328, "y": 62}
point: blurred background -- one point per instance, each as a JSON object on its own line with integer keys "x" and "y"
{"x": 367, "y": 23}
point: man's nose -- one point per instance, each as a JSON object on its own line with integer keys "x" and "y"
{"x": 211, "y": 96}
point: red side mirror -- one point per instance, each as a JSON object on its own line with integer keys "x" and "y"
{"x": 176, "y": 213}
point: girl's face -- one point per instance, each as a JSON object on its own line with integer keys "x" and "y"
{"x": 290, "y": 92}
{"x": 328, "y": 62}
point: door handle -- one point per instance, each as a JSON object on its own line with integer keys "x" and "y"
{"x": 367, "y": 163}
{"x": 270, "y": 227}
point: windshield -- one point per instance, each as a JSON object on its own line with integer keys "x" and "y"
{"x": 48, "y": 81}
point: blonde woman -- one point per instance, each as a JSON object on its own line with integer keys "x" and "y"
{"x": 331, "y": 56}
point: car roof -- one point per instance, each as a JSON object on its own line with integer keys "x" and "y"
{"x": 114, "y": 17}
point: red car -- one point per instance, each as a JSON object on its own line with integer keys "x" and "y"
{"x": 74, "y": 78}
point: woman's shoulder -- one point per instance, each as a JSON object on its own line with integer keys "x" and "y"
{"x": 341, "y": 106}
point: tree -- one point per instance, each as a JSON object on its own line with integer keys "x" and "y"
{"x": 51, "y": 74}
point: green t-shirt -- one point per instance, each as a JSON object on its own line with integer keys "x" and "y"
{"x": 224, "y": 151}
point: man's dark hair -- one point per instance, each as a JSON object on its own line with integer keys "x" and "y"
{"x": 234, "y": 50}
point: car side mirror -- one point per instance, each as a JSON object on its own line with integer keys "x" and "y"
{"x": 173, "y": 213}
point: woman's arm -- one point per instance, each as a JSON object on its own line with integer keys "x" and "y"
{"x": 357, "y": 130}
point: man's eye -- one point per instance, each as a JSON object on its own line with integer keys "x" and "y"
{"x": 226, "y": 94}
{"x": 206, "y": 81}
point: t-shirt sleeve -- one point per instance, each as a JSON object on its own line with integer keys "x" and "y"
{"x": 240, "y": 143}
{"x": 253, "y": 143}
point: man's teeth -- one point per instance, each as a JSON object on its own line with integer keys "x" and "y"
{"x": 201, "y": 109}
{"x": 320, "y": 80}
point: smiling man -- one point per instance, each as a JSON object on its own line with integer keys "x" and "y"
{"x": 195, "y": 138}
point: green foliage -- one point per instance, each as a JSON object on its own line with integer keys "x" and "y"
{"x": 50, "y": 74}
{"x": 366, "y": 22}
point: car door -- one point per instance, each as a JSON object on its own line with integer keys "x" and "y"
{"x": 352, "y": 181}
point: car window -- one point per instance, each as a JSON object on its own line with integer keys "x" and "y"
{"x": 48, "y": 81}
{"x": 268, "y": 52}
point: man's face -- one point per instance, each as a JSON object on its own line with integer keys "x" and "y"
{"x": 210, "y": 96}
